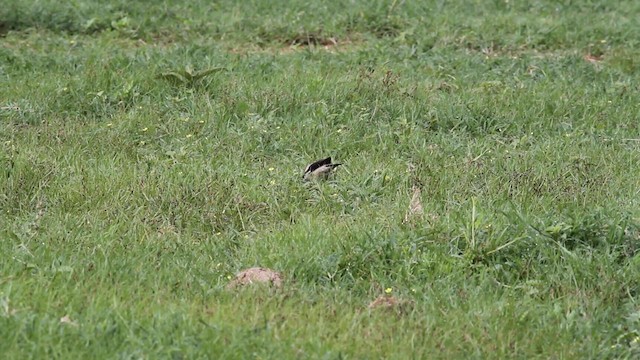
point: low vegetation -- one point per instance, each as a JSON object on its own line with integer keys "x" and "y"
{"x": 487, "y": 205}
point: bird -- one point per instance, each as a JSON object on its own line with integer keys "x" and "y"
{"x": 319, "y": 169}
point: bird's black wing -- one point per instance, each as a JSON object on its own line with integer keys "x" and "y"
{"x": 317, "y": 164}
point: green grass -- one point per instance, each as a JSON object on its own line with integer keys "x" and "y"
{"x": 150, "y": 151}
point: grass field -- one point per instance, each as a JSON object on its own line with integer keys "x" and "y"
{"x": 151, "y": 150}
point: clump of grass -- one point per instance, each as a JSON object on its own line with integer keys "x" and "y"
{"x": 188, "y": 76}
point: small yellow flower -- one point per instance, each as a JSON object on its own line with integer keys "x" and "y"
{"x": 145, "y": 129}
{"x": 339, "y": 130}
{"x": 413, "y": 290}
{"x": 228, "y": 277}
{"x": 272, "y": 182}
{"x": 388, "y": 290}
{"x": 271, "y": 169}
{"x": 109, "y": 124}
{"x": 201, "y": 121}
{"x": 189, "y": 135}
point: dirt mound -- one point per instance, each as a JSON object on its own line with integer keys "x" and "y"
{"x": 256, "y": 275}
{"x": 386, "y": 302}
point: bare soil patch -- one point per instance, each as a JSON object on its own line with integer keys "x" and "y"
{"x": 256, "y": 275}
